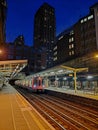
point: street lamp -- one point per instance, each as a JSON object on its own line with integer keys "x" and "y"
{"x": 96, "y": 56}
{"x": 0, "y": 51}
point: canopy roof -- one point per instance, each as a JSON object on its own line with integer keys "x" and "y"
{"x": 58, "y": 70}
{"x": 11, "y": 68}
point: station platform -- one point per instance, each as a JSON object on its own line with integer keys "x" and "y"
{"x": 80, "y": 93}
{"x": 16, "y": 113}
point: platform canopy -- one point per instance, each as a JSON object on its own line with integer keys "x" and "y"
{"x": 11, "y": 68}
{"x": 58, "y": 70}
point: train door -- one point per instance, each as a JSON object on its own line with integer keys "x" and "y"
{"x": 30, "y": 83}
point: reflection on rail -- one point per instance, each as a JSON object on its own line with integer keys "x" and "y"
{"x": 63, "y": 114}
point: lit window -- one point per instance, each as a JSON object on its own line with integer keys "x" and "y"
{"x": 45, "y": 18}
{"x": 69, "y": 46}
{"x": 55, "y": 48}
{"x": 69, "y": 40}
{"x": 82, "y": 21}
{"x": 55, "y": 59}
{"x": 90, "y": 17}
{"x": 85, "y": 19}
{"x": 44, "y": 40}
{"x": 55, "y": 53}
{"x": 72, "y": 45}
{"x": 70, "y": 53}
{"x": 72, "y": 39}
{"x": 60, "y": 37}
{"x": 71, "y": 32}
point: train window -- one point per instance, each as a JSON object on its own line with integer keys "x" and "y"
{"x": 43, "y": 82}
{"x": 39, "y": 82}
{"x": 35, "y": 82}
{"x": 30, "y": 83}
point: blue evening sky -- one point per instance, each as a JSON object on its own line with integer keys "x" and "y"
{"x": 20, "y": 16}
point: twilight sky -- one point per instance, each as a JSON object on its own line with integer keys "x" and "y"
{"x": 20, "y": 16}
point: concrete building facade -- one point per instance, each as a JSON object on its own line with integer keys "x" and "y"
{"x": 77, "y": 45}
{"x": 45, "y": 31}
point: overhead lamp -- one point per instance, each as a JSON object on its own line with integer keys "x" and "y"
{"x": 57, "y": 78}
{"x": 89, "y": 77}
{"x": 64, "y": 78}
{"x": 0, "y": 51}
{"x": 51, "y": 72}
{"x": 96, "y": 56}
{"x": 60, "y": 71}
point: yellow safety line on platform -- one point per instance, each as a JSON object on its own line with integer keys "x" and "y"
{"x": 12, "y": 114}
{"x": 34, "y": 118}
{"x": 23, "y": 114}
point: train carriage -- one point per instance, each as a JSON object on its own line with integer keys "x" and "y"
{"x": 35, "y": 84}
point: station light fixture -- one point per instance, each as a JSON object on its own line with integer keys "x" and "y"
{"x": 51, "y": 72}
{"x": 57, "y": 78}
{"x": 0, "y": 51}
{"x": 60, "y": 71}
{"x": 64, "y": 78}
{"x": 96, "y": 56}
{"x": 70, "y": 75}
{"x": 89, "y": 77}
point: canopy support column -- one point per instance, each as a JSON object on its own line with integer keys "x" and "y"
{"x": 75, "y": 81}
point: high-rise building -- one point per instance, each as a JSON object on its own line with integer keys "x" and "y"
{"x": 19, "y": 40}
{"x": 77, "y": 45}
{"x": 86, "y": 32}
{"x": 3, "y": 8}
{"x": 64, "y": 48}
{"x": 45, "y": 31}
{"x": 18, "y": 49}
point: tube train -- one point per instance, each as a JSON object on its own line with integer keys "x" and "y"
{"x": 35, "y": 84}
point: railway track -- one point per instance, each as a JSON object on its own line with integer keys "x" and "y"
{"x": 62, "y": 114}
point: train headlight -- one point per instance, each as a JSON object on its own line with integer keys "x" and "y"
{"x": 34, "y": 85}
{"x": 43, "y": 86}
